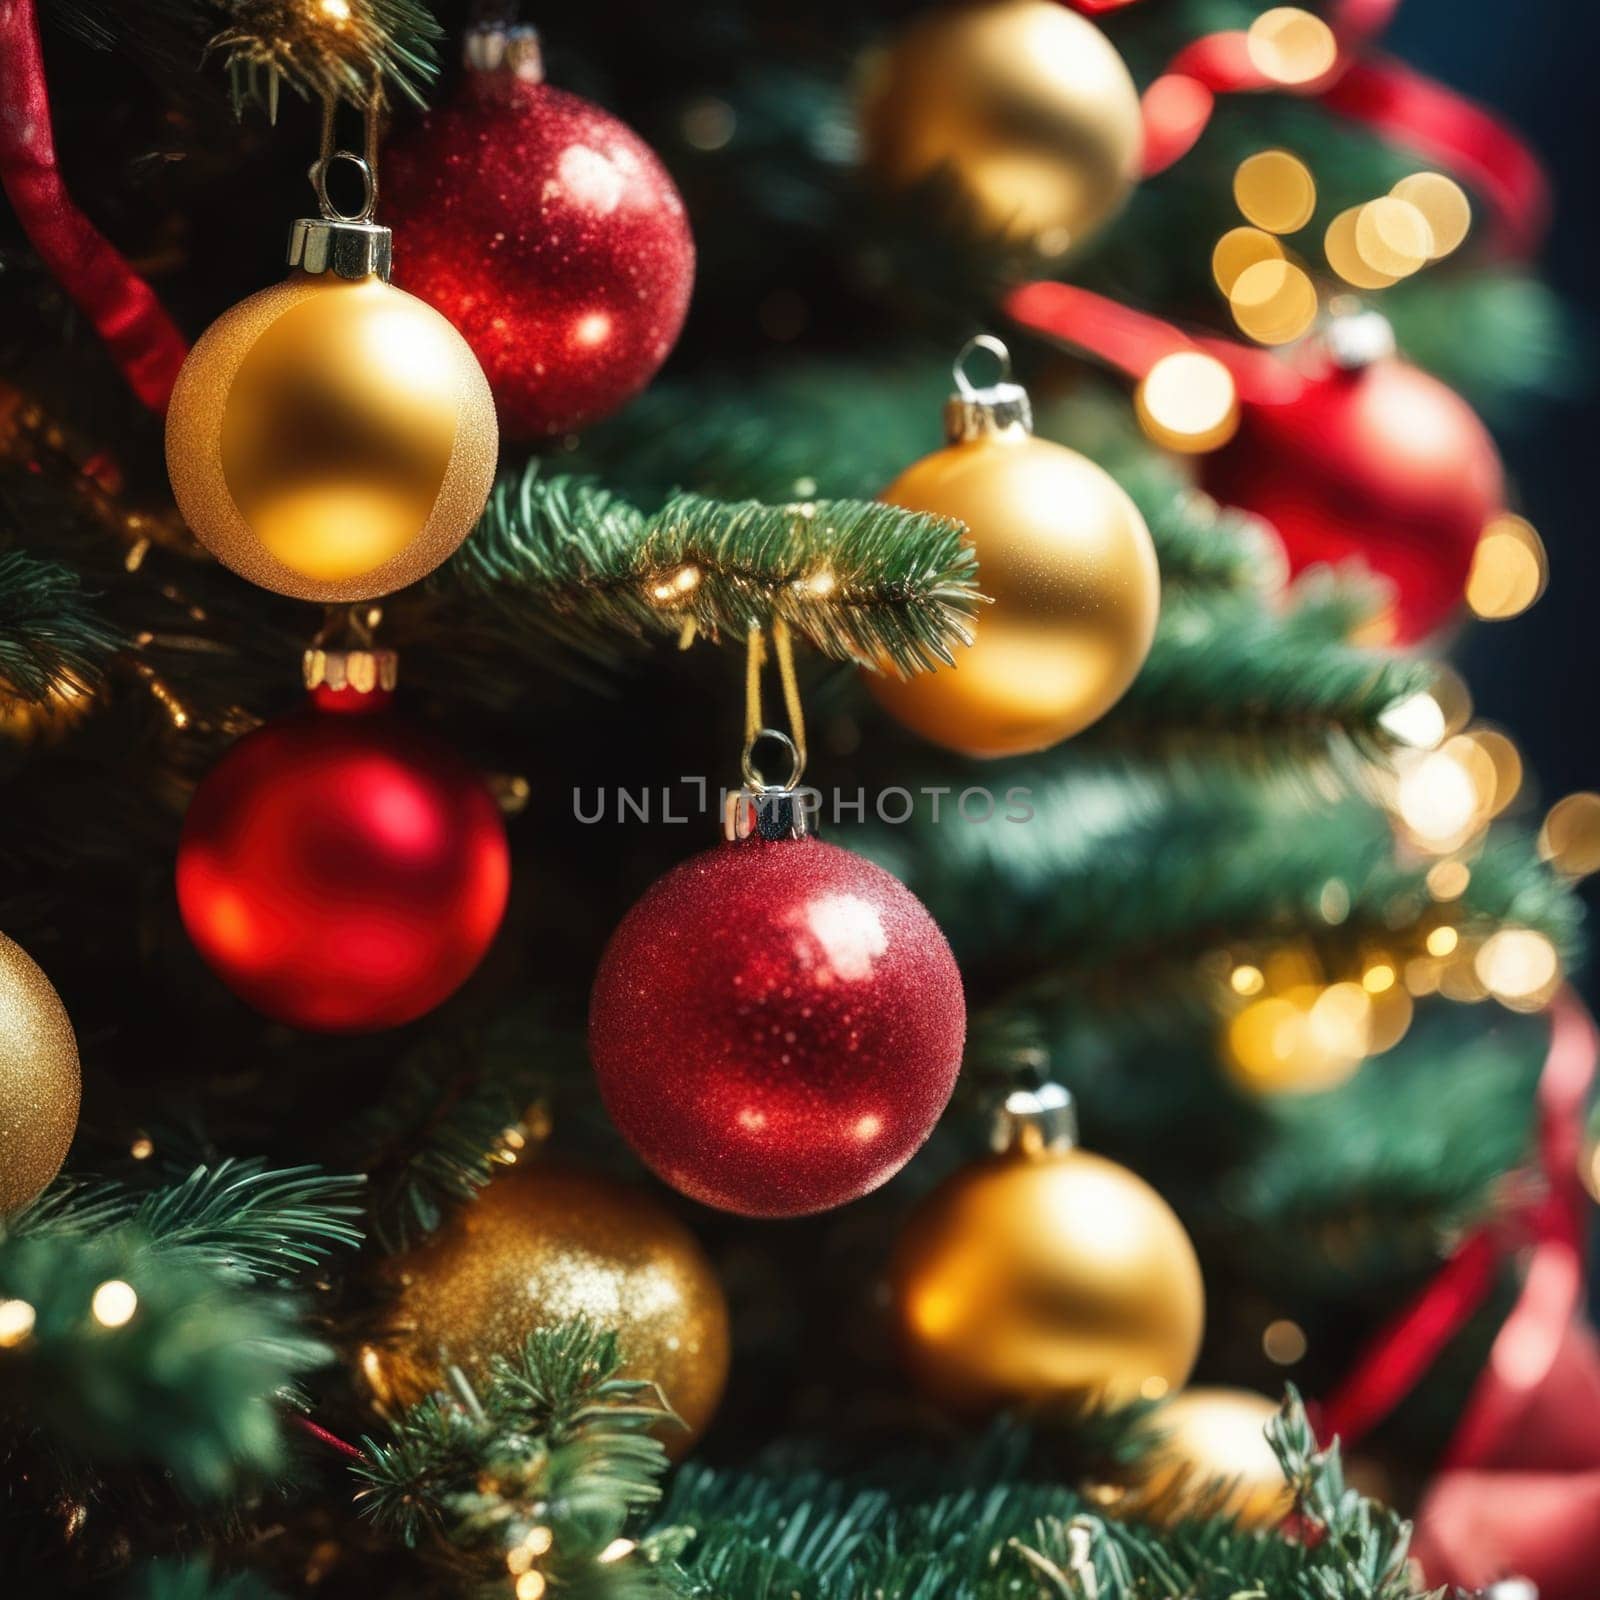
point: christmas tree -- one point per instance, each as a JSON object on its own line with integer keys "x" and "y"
{"x": 740, "y": 861}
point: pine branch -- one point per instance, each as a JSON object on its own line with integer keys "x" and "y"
{"x": 186, "y": 1381}
{"x": 543, "y": 1469}
{"x": 194, "y": 1580}
{"x": 861, "y": 582}
{"x": 358, "y": 52}
{"x": 51, "y": 638}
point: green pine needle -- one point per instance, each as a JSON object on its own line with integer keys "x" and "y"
{"x": 862, "y": 582}
{"x": 50, "y": 636}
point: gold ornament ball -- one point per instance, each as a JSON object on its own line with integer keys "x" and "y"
{"x": 1212, "y": 1437}
{"x": 1068, "y": 563}
{"x": 1023, "y": 104}
{"x": 331, "y": 439}
{"x": 543, "y": 1245}
{"x": 1054, "y": 1276}
{"x": 39, "y": 1079}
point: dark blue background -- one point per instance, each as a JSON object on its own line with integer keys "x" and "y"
{"x": 1538, "y": 61}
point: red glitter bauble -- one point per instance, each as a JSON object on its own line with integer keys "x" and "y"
{"x": 341, "y": 871}
{"x": 552, "y": 237}
{"x": 776, "y": 1026}
{"x": 1380, "y": 464}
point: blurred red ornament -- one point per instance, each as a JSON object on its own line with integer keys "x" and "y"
{"x": 776, "y": 1026}
{"x": 548, "y": 232}
{"x": 341, "y": 871}
{"x": 1375, "y": 462}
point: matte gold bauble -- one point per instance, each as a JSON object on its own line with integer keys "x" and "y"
{"x": 331, "y": 439}
{"x": 1046, "y": 1275}
{"x": 1023, "y": 104}
{"x": 1067, "y": 561}
{"x": 541, "y": 1246}
{"x": 39, "y": 1079}
{"x": 1212, "y": 1438}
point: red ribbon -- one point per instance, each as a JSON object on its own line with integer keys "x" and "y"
{"x": 142, "y": 339}
{"x": 1440, "y": 125}
{"x": 1532, "y": 1337}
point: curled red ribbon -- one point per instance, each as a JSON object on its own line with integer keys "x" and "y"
{"x": 1437, "y": 123}
{"x": 141, "y": 337}
{"x": 1532, "y": 1337}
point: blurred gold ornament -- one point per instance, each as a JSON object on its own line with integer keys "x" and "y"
{"x": 1291, "y": 46}
{"x": 1509, "y": 569}
{"x": 1570, "y": 837}
{"x": 1188, "y": 402}
{"x": 1443, "y": 204}
{"x": 39, "y": 1079}
{"x": 540, "y": 1246}
{"x": 1043, "y": 1274}
{"x": 1067, "y": 560}
{"x": 1023, "y": 104}
{"x": 331, "y": 439}
{"x": 1215, "y": 1440}
{"x": 1275, "y": 191}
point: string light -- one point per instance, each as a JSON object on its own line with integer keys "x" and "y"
{"x": 1344, "y": 255}
{"x": 1240, "y": 248}
{"x": 1274, "y": 302}
{"x": 1187, "y": 401}
{"x": 1283, "y": 1342}
{"x": 142, "y": 1148}
{"x": 1393, "y": 237}
{"x": 530, "y": 1586}
{"x": 1448, "y": 880}
{"x": 1519, "y": 967}
{"x": 616, "y": 1550}
{"x": 1444, "y": 206}
{"x": 1570, "y": 837}
{"x": 16, "y": 1322}
{"x": 114, "y": 1303}
{"x": 1275, "y": 190}
{"x": 1247, "y": 980}
{"x": 1441, "y": 941}
{"x": 1509, "y": 569}
{"x": 1291, "y": 46}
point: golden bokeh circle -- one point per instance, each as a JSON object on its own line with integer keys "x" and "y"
{"x": 1275, "y": 190}
{"x": 1239, "y": 248}
{"x": 1188, "y": 402}
{"x": 1344, "y": 257}
{"x": 1392, "y": 236}
{"x": 1291, "y": 46}
{"x": 1509, "y": 569}
{"x": 1443, "y": 203}
{"x": 1570, "y": 837}
{"x": 1274, "y": 302}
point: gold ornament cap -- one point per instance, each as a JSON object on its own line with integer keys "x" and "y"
{"x": 501, "y": 47}
{"x": 975, "y": 412}
{"x": 1355, "y": 336}
{"x": 364, "y": 671}
{"x": 347, "y": 244}
{"x": 1034, "y": 1122}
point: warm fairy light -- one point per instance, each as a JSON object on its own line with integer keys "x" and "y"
{"x": 1334, "y": 902}
{"x": 1504, "y": 760}
{"x": 1154, "y": 1388}
{"x": 1187, "y": 402}
{"x": 1275, "y": 190}
{"x": 114, "y": 1303}
{"x": 539, "y": 1540}
{"x": 1448, "y": 880}
{"x": 1441, "y": 941}
{"x": 1340, "y": 1020}
{"x": 1447, "y": 796}
{"x": 1570, "y": 837}
{"x": 1417, "y": 721}
{"x": 16, "y": 1322}
{"x": 1443, "y": 203}
{"x": 1344, "y": 256}
{"x": 708, "y": 123}
{"x": 1247, "y": 980}
{"x": 519, "y": 1559}
{"x": 820, "y": 583}
{"x": 1393, "y": 237}
{"x": 336, "y": 10}
{"x": 1509, "y": 569}
{"x": 1519, "y": 967}
{"x": 1274, "y": 302}
{"x": 1379, "y": 978}
{"x": 530, "y": 1586}
{"x": 142, "y": 1148}
{"x": 1239, "y": 248}
{"x": 1283, "y": 1342}
{"x": 1422, "y": 976}
{"x": 616, "y": 1550}
{"x": 1291, "y": 46}
{"x": 676, "y": 584}
{"x": 1300, "y": 1042}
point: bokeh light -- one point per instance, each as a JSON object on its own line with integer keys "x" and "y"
{"x": 1443, "y": 203}
{"x": 1187, "y": 402}
{"x": 1392, "y": 237}
{"x": 1519, "y": 967}
{"x": 1275, "y": 191}
{"x": 1570, "y": 837}
{"x": 1239, "y": 248}
{"x": 1274, "y": 302}
{"x": 1344, "y": 255}
{"x": 1509, "y": 569}
{"x": 1291, "y": 46}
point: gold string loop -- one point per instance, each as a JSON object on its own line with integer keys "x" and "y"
{"x": 755, "y": 729}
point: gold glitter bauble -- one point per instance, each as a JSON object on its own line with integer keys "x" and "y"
{"x": 331, "y": 439}
{"x": 1211, "y": 1437}
{"x": 1054, "y": 1276}
{"x": 1023, "y": 104}
{"x": 540, "y": 1246}
{"x": 1067, "y": 560}
{"x": 39, "y": 1079}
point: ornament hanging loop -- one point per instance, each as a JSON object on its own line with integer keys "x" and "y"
{"x": 348, "y": 244}
{"x": 974, "y": 412}
{"x": 1035, "y": 1121}
{"x": 366, "y": 165}
{"x": 752, "y": 774}
{"x": 769, "y": 810}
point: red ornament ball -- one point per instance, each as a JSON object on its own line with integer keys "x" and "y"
{"x": 1380, "y": 463}
{"x": 552, "y": 237}
{"x": 776, "y": 1026}
{"x": 342, "y": 871}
